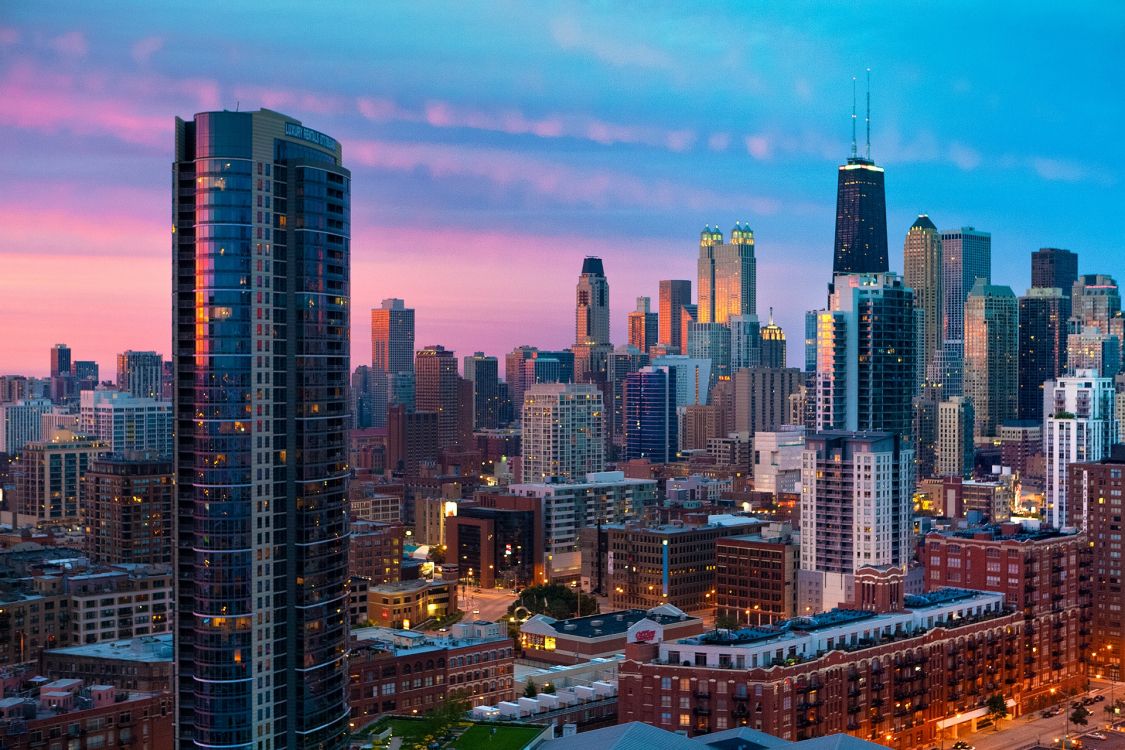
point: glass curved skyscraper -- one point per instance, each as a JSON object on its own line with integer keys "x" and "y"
{"x": 260, "y": 326}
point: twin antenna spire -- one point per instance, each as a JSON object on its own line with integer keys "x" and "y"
{"x": 855, "y": 151}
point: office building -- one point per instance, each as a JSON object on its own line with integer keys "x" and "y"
{"x": 761, "y": 398}
{"x": 483, "y": 373}
{"x": 261, "y": 420}
{"x": 591, "y": 318}
{"x": 981, "y": 502}
{"x": 502, "y": 544}
{"x": 392, "y": 337}
{"x": 650, "y": 422}
{"x": 1052, "y": 267}
{"x": 436, "y": 389}
{"x": 1079, "y": 426}
{"x": 49, "y": 475}
{"x": 955, "y": 451}
{"x": 773, "y": 345}
{"x": 991, "y": 376}
{"x": 60, "y": 361}
{"x": 1094, "y": 300}
{"x": 141, "y": 374}
{"x": 855, "y": 512}
{"x": 966, "y": 255}
{"x": 21, "y": 423}
{"x": 127, "y": 423}
{"x": 1092, "y": 348}
{"x": 364, "y": 395}
{"x": 58, "y": 418}
{"x": 563, "y": 432}
{"x": 674, "y": 295}
{"x": 922, "y": 272}
{"x": 644, "y": 326}
{"x": 711, "y": 341}
{"x": 1043, "y": 315}
{"x": 1102, "y": 483}
{"x": 1021, "y": 444}
{"x": 746, "y": 341}
{"x": 755, "y": 577}
{"x": 623, "y": 361}
{"x": 127, "y": 507}
{"x": 861, "y": 214}
{"x": 693, "y": 376}
{"x": 867, "y": 356}
{"x": 727, "y": 275}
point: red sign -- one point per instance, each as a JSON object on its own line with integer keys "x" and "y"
{"x": 644, "y": 636}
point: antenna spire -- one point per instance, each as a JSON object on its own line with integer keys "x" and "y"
{"x": 869, "y": 114}
{"x": 853, "y": 118}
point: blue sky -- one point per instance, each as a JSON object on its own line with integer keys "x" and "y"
{"x": 493, "y": 145}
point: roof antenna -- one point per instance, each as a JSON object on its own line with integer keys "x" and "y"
{"x": 237, "y": 104}
{"x": 853, "y": 118}
{"x": 869, "y": 114}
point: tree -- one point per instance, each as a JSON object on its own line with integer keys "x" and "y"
{"x": 1080, "y": 716}
{"x": 726, "y": 622}
{"x": 437, "y": 555}
{"x": 549, "y": 688}
{"x": 447, "y": 713}
{"x": 997, "y": 708}
{"x": 530, "y": 691}
{"x": 555, "y": 600}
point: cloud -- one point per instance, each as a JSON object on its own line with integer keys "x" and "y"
{"x": 614, "y": 48}
{"x": 71, "y": 44}
{"x": 718, "y": 141}
{"x": 1058, "y": 170}
{"x": 296, "y": 100}
{"x": 965, "y": 157}
{"x": 759, "y": 146}
{"x": 144, "y": 49}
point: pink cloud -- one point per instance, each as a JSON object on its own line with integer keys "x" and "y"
{"x": 718, "y": 141}
{"x": 614, "y": 48}
{"x": 144, "y": 49}
{"x": 294, "y": 100}
{"x": 758, "y": 146}
{"x": 71, "y": 44}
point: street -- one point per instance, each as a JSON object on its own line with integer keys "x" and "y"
{"x": 484, "y": 604}
{"x": 1030, "y": 729}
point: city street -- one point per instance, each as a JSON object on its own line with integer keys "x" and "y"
{"x": 1029, "y": 730}
{"x": 484, "y": 604}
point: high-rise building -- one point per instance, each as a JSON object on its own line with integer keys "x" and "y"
{"x": 363, "y": 397}
{"x": 922, "y": 272}
{"x": 855, "y": 512}
{"x": 711, "y": 341}
{"x": 21, "y": 423}
{"x": 991, "y": 377}
{"x": 644, "y": 325}
{"x": 127, "y": 423}
{"x": 127, "y": 511}
{"x": 436, "y": 390}
{"x": 563, "y": 432}
{"x": 745, "y": 341}
{"x": 1094, "y": 349}
{"x": 761, "y": 398}
{"x": 85, "y": 372}
{"x": 728, "y": 276}
{"x": 1052, "y": 267}
{"x": 966, "y": 255}
{"x": 392, "y": 337}
{"x": 773, "y": 345}
{"x": 1079, "y": 426}
{"x": 674, "y": 294}
{"x": 623, "y": 360}
{"x": 954, "y": 454}
{"x": 261, "y": 423}
{"x": 60, "y": 361}
{"x": 140, "y": 373}
{"x": 651, "y": 427}
{"x": 867, "y": 355}
{"x": 861, "y": 215}
{"x": 693, "y": 375}
{"x": 591, "y": 317}
{"x": 49, "y": 476}
{"x": 1042, "y": 345}
{"x": 483, "y": 373}
{"x": 1094, "y": 299}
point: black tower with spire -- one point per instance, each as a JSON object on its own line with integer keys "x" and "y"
{"x": 861, "y": 208}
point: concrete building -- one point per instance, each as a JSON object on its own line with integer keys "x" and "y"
{"x": 1079, "y": 426}
{"x": 1020, "y": 442}
{"x": 127, "y": 423}
{"x": 991, "y": 376}
{"x": 954, "y": 452}
{"x": 1093, "y": 349}
{"x": 499, "y": 540}
{"x": 761, "y": 398}
{"x": 143, "y": 663}
{"x": 21, "y": 423}
{"x": 141, "y": 374}
{"x": 777, "y": 459}
{"x": 563, "y": 432}
{"x": 49, "y": 476}
{"x": 855, "y": 512}
{"x": 483, "y": 373}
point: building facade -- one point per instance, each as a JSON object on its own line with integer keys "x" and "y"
{"x": 1043, "y": 315}
{"x": 127, "y": 423}
{"x": 966, "y": 255}
{"x": 922, "y": 272}
{"x": 991, "y": 376}
{"x": 728, "y": 275}
{"x": 141, "y": 374}
{"x": 563, "y": 432}
{"x": 954, "y": 452}
{"x": 675, "y": 294}
{"x": 127, "y": 509}
{"x": 650, "y": 421}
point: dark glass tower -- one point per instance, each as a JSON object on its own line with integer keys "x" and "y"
{"x": 861, "y": 218}
{"x": 260, "y": 313}
{"x": 1052, "y": 267}
{"x": 1042, "y": 346}
{"x": 650, "y": 415}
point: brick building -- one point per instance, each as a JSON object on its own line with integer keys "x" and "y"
{"x": 409, "y": 603}
{"x": 375, "y": 552}
{"x": 579, "y": 639}
{"x": 127, "y": 510}
{"x": 755, "y": 577}
{"x": 498, "y": 540}
{"x": 143, "y": 663}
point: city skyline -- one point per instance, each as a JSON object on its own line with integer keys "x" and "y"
{"x": 613, "y": 141}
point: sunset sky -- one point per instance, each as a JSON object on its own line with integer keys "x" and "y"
{"x": 492, "y": 147}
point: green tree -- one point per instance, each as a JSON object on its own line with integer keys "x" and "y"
{"x": 1080, "y": 716}
{"x": 437, "y": 554}
{"x": 555, "y": 600}
{"x": 997, "y": 708}
{"x": 549, "y": 688}
{"x": 530, "y": 691}
{"x": 447, "y": 713}
{"x": 726, "y": 622}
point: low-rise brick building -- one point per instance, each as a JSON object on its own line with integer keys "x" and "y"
{"x": 579, "y": 639}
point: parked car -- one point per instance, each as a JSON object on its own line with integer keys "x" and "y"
{"x": 1099, "y": 698}
{"x": 1097, "y": 736}
{"x": 962, "y": 745}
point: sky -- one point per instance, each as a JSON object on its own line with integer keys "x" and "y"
{"x": 494, "y": 145}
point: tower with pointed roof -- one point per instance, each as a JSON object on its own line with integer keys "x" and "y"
{"x": 727, "y": 274}
{"x": 922, "y": 272}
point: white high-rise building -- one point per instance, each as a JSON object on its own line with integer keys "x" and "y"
{"x": 777, "y": 459}
{"x": 855, "y": 512}
{"x": 563, "y": 432}
{"x": 126, "y": 423}
{"x": 954, "y": 453}
{"x": 20, "y": 423}
{"x": 1079, "y": 426}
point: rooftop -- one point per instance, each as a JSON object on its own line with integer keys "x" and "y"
{"x": 149, "y": 648}
{"x": 613, "y": 623}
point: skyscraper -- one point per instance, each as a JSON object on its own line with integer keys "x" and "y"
{"x": 261, "y": 285}
{"x": 1079, "y": 426}
{"x": 842, "y": 529}
{"x": 362, "y": 397}
{"x": 436, "y": 389}
{"x": 643, "y": 325}
{"x": 483, "y": 373}
{"x": 60, "y": 360}
{"x": 922, "y": 272}
{"x": 563, "y": 432}
{"x": 651, "y": 426}
{"x": 392, "y": 337}
{"x": 1052, "y": 267}
{"x": 745, "y": 341}
{"x": 140, "y": 373}
{"x": 955, "y": 450}
{"x": 773, "y": 344}
{"x": 674, "y": 294}
{"x": 966, "y": 255}
{"x": 991, "y": 379}
{"x": 866, "y": 356}
{"x": 623, "y": 360}
{"x": 127, "y": 423}
{"x": 1042, "y": 346}
{"x": 591, "y": 316}
{"x": 1094, "y": 300}
{"x": 728, "y": 277}
{"x": 711, "y": 341}
{"x": 861, "y": 210}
